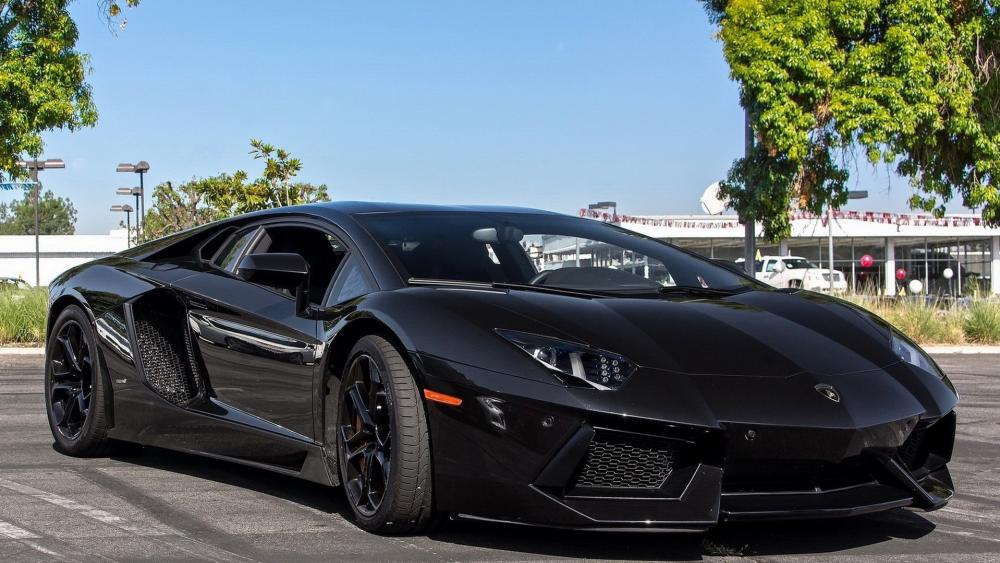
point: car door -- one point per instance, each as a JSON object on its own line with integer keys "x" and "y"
{"x": 259, "y": 354}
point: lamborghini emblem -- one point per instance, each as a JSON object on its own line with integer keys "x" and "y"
{"x": 828, "y": 391}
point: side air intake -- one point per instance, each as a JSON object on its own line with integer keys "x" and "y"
{"x": 164, "y": 348}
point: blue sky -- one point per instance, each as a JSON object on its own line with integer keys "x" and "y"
{"x": 539, "y": 103}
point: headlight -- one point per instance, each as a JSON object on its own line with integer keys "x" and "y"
{"x": 913, "y": 355}
{"x": 574, "y": 363}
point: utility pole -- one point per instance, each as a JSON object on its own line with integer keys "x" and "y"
{"x": 749, "y": 223}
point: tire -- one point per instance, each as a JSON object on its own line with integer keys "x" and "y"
{"x": 400, "y": 500}
{"x": 75, "y": 393}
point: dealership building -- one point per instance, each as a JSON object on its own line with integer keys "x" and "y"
{"x": 922, "y": 247}
{"x": 906, "y": 246}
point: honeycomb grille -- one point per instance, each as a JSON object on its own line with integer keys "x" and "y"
{"x": 913, "y": 451}
{"x": 626, "y": 462}
{"x": 165, "y": 350}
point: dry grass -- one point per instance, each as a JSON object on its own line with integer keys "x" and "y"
{"x": 22, "y": 316}
{"x": 929, "y": 322}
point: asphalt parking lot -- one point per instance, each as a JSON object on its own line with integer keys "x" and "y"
{"x": 159, "y": 505}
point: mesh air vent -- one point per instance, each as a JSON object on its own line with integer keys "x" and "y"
{"x": 626, "y": 462}
{"x": 165, "y": 349}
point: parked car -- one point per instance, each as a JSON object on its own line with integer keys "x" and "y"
{"x": 797, "y": 272}
{"x": 13, "y": 284}
{"x": 420, "y": 357}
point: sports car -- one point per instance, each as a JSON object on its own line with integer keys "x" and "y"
{"x": 496, "y": 363}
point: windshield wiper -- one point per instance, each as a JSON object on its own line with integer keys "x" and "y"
{"x": 506, "y": 285}
{"x": 694, "y": 290}
{"x": 552, "y": 289}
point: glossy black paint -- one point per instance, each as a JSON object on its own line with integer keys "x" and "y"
{"x": 730, "y": 382}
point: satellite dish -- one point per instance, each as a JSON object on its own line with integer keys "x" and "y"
{"x": 712, "y": 202}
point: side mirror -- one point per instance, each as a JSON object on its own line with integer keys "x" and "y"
{"x": 779, "y": 266}
{"x": 283, "y": 270}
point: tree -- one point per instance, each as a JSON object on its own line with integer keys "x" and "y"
{"x": 279, "y": 168}
{"x": 202, "y": 200}
{"x": 910, "y": 84}
{"x": 56, "y": 215}
{"x": 42, "y": 76}
{"x": 183, "y": 207}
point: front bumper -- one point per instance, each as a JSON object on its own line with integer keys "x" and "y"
{"x": 527, "y": 452}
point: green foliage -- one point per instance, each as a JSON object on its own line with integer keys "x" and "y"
{"x": 42, "y": 84}
{"x": 913, "y": 84}
{"x": 982, "y": 322}
{"x": 56, "y": 215}
{"x": 22, "y": 315}
{"x": 202, "y": 200}
{"x": 42, "y": 76}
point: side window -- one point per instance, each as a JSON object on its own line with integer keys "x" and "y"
{"x": 351, "y": 282}
{"x": 322, "y": 251}
{"x": 230, "y": 253}
{"x": 770, "y": 266}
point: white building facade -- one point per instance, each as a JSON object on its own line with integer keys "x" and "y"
{"x": 903, "y": 247}
{"x": 57, "y": 253}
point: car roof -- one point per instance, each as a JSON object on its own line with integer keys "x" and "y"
{"x": 368, "y": 207}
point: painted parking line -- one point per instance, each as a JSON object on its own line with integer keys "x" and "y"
{"x": 86, "y": 510}
{"x": 24, "y": 537}
{"x": 13, "y": 532}
{"x": 168, "y": 537}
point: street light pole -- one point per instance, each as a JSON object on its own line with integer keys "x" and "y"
{"x": 139, "y": 168}
{"x": 33, "y": 167}
{"x": 127, "y": 209}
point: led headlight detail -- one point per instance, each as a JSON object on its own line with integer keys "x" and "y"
{"x": 910, "y": 354}
{"x": 598, "y": 368}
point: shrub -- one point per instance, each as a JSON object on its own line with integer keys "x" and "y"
{"x": 22, "y": 316}
{"x": 926, "y": 323}
{"x": 982, "y": 322}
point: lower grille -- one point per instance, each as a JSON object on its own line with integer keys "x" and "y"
{"x": 913, "y": 452}
{"x": 165, "y": 349}
{"x": 622, "y": 461}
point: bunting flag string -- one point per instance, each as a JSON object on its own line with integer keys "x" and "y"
{"x": 919, "y": 220}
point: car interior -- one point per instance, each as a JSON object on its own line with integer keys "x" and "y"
{"x": 321, "y": 250}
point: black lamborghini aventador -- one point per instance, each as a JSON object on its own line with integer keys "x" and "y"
{"x": 496, "y": 363}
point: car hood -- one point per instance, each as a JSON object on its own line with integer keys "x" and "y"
{"x": 758, "y": 333}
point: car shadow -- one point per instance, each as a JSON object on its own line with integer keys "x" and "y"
{"x": 803, "y": 537}
{"x": 305, "y": 493}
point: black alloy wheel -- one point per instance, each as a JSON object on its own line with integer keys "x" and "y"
{"x": 71, "y": 380}
{"x": 74, "y": 388}
{"x": 366, "y": 435}
{"x": 383, "y": 442}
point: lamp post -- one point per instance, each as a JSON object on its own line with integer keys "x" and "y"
{"x": 853, "y": 194}
{"x": 137, "y": 192}
{"x": 33, "y": 167}
{"x": 127, "y": 210}
{"x": 139, "y": 168}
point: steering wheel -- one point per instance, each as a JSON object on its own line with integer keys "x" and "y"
{"x": 540, "y": 277}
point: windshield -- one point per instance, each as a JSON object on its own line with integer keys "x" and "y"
{"x": 543, "y": 250}
{"x": 799, "y": 264}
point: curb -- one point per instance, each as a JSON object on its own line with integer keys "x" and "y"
{"x": 21, "y": 351}
{"x": 962, "y": 349}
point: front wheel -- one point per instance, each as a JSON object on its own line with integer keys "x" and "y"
{"x": 74, "y": 387}
{"x": 383, "y": 444}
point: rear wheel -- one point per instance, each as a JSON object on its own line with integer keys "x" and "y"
{"x": 383, "y": 444}
{"x": 74, "y": 387}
